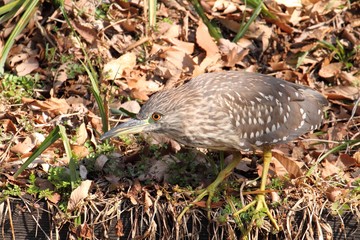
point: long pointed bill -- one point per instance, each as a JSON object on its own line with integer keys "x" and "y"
{"x": 130, "y": 127}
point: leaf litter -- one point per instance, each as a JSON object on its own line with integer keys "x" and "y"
{"x": 315, "y": 43}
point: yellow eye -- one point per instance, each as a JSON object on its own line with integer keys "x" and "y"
{"x": 156, "y": 116}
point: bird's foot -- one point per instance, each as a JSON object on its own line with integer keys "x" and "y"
{"x": 210, "y": 190}
{"x": 261, "y": 210}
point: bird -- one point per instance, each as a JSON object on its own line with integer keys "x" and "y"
{"x": 230, "y": 111}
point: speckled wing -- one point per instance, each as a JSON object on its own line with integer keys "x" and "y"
{"x": 264, "y": 110}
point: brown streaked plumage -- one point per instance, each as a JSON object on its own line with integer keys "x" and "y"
{"x": 231, "y": 111}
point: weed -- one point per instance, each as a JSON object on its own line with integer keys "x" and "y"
{"x": 340, "y": 53}
{"x": 156, "y": 149}
{"x": 136, "y": 170}
{"x": 277, "y": 184}
{"x": 128, "y": 140}
{"x": 35, "y": 190}
{"x": 338, "y": 208}
{"x": 232, "y": 204}
{"x": 26, "y": 123}
{"x": 66, "y": 58}
{"x": 356, "y": 189}
{"x": 101, "y": 11}
{"x": 12, "y": 190}
{"x": 46, "y": 193}
{"x": 60, "y": 177}
{"x": 14, "y": 87}
{"x": 168, "y": 20}
{"x": 188, "y": 170}
{"x": 74, "y": 70}
{"x": 50, "y": 53}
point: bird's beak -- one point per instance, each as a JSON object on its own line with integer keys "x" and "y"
{"x": 130, "y": 127}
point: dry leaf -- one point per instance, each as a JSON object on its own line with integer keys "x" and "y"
{"x": 54, "y": 106}
{"x": 87, "y": 32}
{"x": 54, "y": 198}
{"x": 279, "y": 170}
{"x": 205, "y": 41}
{"x": 81, "y": 134}
{"x": 131, "y": 106}
{"x": 333, "y": 193}
{"x": 357, "y": 158}
{"x": 60, "y": 77}
{"x": 330, "y": 70}
{"x": 147, "y": 201}
{"x": 79, "y": 194}
{"x": 185, "y": 47}
{"x": 83, "y": 172}
{"x": 114, "y": 69}
{"x": 84, "y": 231}
{"x": 95, "y": 121}
{"x": 8, "y": 126}
{"x": 28, "y": 144}
{"x": 119, "y": 228}
{"x": 289, "y": 164}
{"x": 224, "y": 6}
{"x": 100, "y": 162}
{"x": 27, "y": 66}
{"x": 345, "y": 161}
{"x": 329, "y": 169}
{"x": 180, "y": 59}
{"x": 173, "y": 32}
{"x": 80, "y": 151}
{"x": 342, "y": 93}
{"x": 289, "y": 3}
{"x": 232, "y": 53}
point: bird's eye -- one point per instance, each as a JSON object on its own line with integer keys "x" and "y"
{"x": 156, "y": 116}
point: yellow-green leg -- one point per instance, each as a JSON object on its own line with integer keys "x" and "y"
{"x": 260, "y": 202}
{"x": 210, "y": 190}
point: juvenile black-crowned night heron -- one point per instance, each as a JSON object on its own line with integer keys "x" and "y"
{"x": 231, "y": 111}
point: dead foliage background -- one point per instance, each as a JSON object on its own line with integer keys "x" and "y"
{"x": 312, "y": 42}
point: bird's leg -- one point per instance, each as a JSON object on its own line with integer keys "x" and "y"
{"x": 260, "y": 202}
{"x": 210, "y": 190}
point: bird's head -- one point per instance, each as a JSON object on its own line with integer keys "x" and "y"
{"x": 159, "y": 114}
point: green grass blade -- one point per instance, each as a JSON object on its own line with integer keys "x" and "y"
{"x": 30, "y": 8}
{"x": 96, "y": 92}
{"x": 92, "y": 76}
{"x": 338, "y": 148}
{"x": 72, "y": 163}
{"x": 53, "y": 136}
{"x": 152, "y": 13}
{"x": 264, "y": 10}
{"x": 10, "y": 7}
{"x": 244, "y": 28}
{"x": 123, "y": 111}
{"x": 213, "y": 29}
{"x": 301, "y": 59}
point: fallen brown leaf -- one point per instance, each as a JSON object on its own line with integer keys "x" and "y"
{"x": 27, "y": 66}
{"x": 28, "y": 144}
{"x": 54, "y": 106}
{"x": 330, "y": 70}
{"x": 79, "y": 194}
{"x": 114, "y": 69}
{"x": 81, "y": 134}
{"x": 119, "y": 227}
{"x": 289, "y": 164}
{"x": 329, "y": 169}
{"x": 80, "y": 151}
